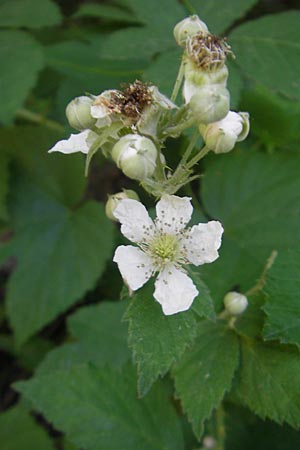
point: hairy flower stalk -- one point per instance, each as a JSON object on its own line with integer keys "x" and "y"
{"x": 164, "y": 247}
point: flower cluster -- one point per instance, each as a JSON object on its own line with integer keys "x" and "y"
{"x": 130, "y": 126}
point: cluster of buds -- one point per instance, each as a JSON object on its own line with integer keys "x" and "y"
{"x": 130, "y": 125}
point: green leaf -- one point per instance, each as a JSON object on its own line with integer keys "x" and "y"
{"x": 155, "y": 37}
{"x": 101, "y": 339}
{"x": 251, "y": 322}
{"x": 203, "y": 304}
{"x": 239, "y": 190}
{"x": 268, "y": 382}
{"x": 219, "y": 18}
{"x": 21, "y": 61}
{"x": 283, "y": 299}
{"x": 4, "y": 178}
{"x": 98, "y": 409}
{"x": 205, "y": 372}
{"x": 29, "y": 13}
{"x": 105, "y": 12}
{"x": 156, "y": 340}
{"x": 61, "y": 256}
{"x": 268, "y": 54}
{"x": 19, "y": 430}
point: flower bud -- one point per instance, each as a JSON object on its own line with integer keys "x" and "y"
{"x": 210, "y": 103}
{"x": 221, "y": 136}
{"x": 235, "y": 303}
{"x": 78, "y": 113}
{"x": 188, "y": 27}
{"x": 136, "y": 156}
{"x": 113, "y": 201}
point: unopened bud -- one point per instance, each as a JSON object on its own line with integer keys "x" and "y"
{"x": 210, "y": 103}
{"x": 136, "y": 156}
{"x": 78, "y": 113}
{"x": 113, "y": 201}
{"x": 188, "y": 27}
{"x": 235, "y": 303}
{"x": 221, "y": 136}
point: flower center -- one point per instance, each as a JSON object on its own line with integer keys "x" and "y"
{"x": 164, "y": 248}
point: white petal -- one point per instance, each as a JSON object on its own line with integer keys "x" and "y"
{"x": 173, "y": 213}
{"x": 80, "y": 142}
{"x": 135, "y": 266}
{"x": 136, "y": 224}
{"x": 202, "y": 242}
{"x": 174, "y": 290}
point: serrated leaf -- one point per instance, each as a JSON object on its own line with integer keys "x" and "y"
{"x": 101, "y": 337}
{"x": 217, "y": 18}
{"x": 283, "y": 299}
{"x": 4, "y": 176}
{"x": 239, "y": 190}
{"x": 205, "y": 372}
{"x": 19, "y": 430}
{"x": 98, "y": 409}
{"x": 64, "y": 254}
{"x": 156, "y": 340}
{"x": 21, "y": 61}
{"x": 268, "y": 54}
{"x": 29, "y": 13}
{"x": 269, "y": 383}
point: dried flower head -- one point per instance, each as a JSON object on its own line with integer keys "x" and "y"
{"x": 208, "y": 52}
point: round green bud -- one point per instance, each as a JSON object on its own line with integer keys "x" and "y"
{"x": 235, "y": 303}
{"x": 113, "y": 201}
{"x": 136, "y": 156}
{"x": 221, "y": 136}
{"x": 210, "y": 103}
{"x": 78, "y": 113}
{"x": 188, "y": 27}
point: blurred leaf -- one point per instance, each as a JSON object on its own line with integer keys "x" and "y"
{"x": 268, "y": 54}
{"x": 156, "y": 340}
{"x": 4, "y": 178}
{"x": 104, "y": 12}
{"x": 283, "y": 299}
{"x": 205, "y": 372}
{"x": 269, "y": 383}
{"x": 29, "y": 13}
{"x": 98, "y": 409}
{"x": 101, "y": 339}
{"x": 21, "y": 60}
{"x": 19, "y": 430}
{"x": 235, "y": 84}
{"x": 203, "y": 304}
{"x": 257, "y": 199}
{"x": 163, "y": 70}
{"x": 159, "y": 17}
{"x": 219, "y": 17}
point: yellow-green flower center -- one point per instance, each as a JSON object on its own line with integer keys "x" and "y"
{"x": 165, "y": 247}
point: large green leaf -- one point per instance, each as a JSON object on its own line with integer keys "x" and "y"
{"x": 269, "y": 382}
{"x": 268, "y": 54}
{"x": 19, "y": 430}
{"x": 156, "y": 340}
{"x": 219, "y": 17}
{"x": 101, "y": 339}
{"x": 239, "y": 190}
{"x": 205, "y": 372}
{"x": 21, "y": 60}
{"x": 159, "y": 17}
{"x": 104, "y": 12}
{"x": 29, "y": 13}
{"x": 283, "y": 299}
{"x": 98, "y": 409}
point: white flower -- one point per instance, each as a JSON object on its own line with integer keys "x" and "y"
{"x": 80, "y": 142}
{"x": 164, "y": 247}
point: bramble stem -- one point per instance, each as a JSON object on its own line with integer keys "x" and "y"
{"x": 178, "y": 81}
{"x": 39, "y": 119}
{"x": 203, "y": 152}
{"x": 262, "y": 279}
